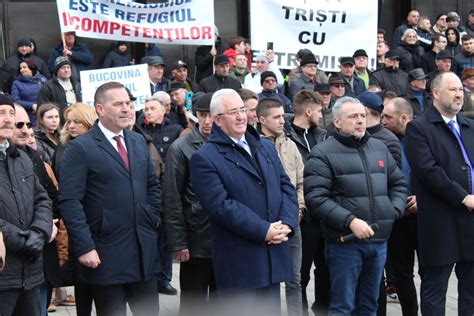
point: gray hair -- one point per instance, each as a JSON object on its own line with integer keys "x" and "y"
{"x": 337, "y": 107}
{"x": 154, "y": 98}
{"x": 217, "y": 106}
{"x": 161, "y": 95}
{"x": 407, "y": 31}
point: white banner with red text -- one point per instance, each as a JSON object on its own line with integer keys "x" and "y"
{"x": 186, "y": 22}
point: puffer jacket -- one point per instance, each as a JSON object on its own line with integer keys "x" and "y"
{"x": 25, "y": 92}
{"x": 186, "y": 221}
{"x": 116, "y": 58}
{"x": 318, "y": 133}
{"x": 163, "y": 134}
{"x": 346, "y": 178}
{"x": 29, "y": 208}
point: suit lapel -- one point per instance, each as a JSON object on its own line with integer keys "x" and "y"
{"x": 132, "y": 150}
{"x": 236, "y": 157}
{"x": 104, "y": 143}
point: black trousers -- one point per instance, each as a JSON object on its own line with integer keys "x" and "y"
{"x": 434, "y": 284}
{"x": 20, "y": 302}
{"x": 402, "y": 247}
{"x": 313, "y": 251}
{"x": 111, "y": 300}
{"x": 198, "y": 287}
{"x": 84, "y": 300}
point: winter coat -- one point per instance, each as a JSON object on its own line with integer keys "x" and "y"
{"x": 242, "y": 195}
{"x": 12, "y": 63}
{"x": 318, "y": 133}
{"x": 388, "y": 79}
{"x": 53, "y": 92}
{"x": 442, "y": 181}
{"x": 163, "y": 134}
{"x": 389, "y": 139}
{"x": 415, "y": 104}
{"x": 462, "y": 61}
{"x": 409, "y": 56}
{"x": 204, "y": 59}
{"x": 357, "y": 88}
{"x": 347, "y": 178}
{"x": 116, "y": 58}
{"x": 111, "y": 209}
{"x": 45, "y": 146}
{"x": 25, "y": 206}
{"x": 187, "y": 224}
{"x": 287, "y": 105}
{"x": 216, "y": 82}
{"x": 81, "y": 58}
{"x": 25, "y": 92}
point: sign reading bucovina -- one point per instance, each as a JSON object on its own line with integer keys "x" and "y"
{"x": 188, "y": 22}
{"x": 329, "y": 28}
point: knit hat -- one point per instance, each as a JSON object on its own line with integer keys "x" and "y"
{"x": 467, "y": 73}
{"x": 61, "y": 61}
{"x": 23, "y": 42}
{"x": 371, "y": 100}
{"x": 5, "y": 99}
{"x": 261, "y": 57}
{"x": 221, "y": 60}
{"x": 308, "y": 59}
{"x": 267, "y": 74}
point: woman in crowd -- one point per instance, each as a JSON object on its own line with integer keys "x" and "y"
{"x": 26, "y": 87}
{"x": 47, "y": 131}
{"x": 79, "y": 118}
{"x": 410, "y": 51}
{"x": 453, "y": 39}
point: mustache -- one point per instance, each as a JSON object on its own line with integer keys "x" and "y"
{"x": 4, "y": 126}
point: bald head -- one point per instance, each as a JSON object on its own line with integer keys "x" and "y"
{"x": 397, "y": 113}
{"x": 20, "y": 130}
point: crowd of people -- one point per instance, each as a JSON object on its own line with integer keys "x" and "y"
{"x": 249, "y": 177}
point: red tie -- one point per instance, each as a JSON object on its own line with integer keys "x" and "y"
{"x": 122, "y": 151}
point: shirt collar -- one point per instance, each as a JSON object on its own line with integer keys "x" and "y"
{"x": 108, "y": 133}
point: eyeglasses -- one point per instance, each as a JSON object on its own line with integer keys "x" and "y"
{"x": 235, "y": 112}
{"x": 20, "y": 125}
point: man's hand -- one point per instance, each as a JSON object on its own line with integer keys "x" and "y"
{"x": 55, "y": 230}
{"x": 277, "y": 233}
{"x": 411, "y": 207}
{"x": 469, "y": 202}
{"x": 67, "y": 52}
{"x": 270, "y": 55}
{"x": 182, "y": 255}
{"x": 361, "y": 229}
{"x": 90, "y": 259}
{"x": 2, "y": 252}
{"x": 213, "y": 51}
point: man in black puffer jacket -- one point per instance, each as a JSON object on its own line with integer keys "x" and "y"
{"x": 25, "y": 221}
{"x": 351, "y": 181}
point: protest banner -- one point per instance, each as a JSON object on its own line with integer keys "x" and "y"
{"x": 134, "y": 78}
{"x": 329, "y": 28}
{"x": 187, "y": 22}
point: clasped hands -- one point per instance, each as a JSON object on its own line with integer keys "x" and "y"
{"x": 277, "y": 233}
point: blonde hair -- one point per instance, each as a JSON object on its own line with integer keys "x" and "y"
{"x": 84, "y": 113}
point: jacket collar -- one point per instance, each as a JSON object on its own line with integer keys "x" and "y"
{"x": 433, "y": 116}
{"x": 351, "y": 141}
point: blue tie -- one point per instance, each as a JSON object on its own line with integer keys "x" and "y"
{"x": 243, "y": 144}
{"x": 467, "y": 160}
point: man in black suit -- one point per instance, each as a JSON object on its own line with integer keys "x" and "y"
{"x": 110, "y": 200}
{"x": 440, "y": 149}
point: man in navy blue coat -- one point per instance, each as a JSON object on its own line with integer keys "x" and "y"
{"x": 440, "y": 150}
{"x": 110, "y": 200}
{"x": 252, "y": 208}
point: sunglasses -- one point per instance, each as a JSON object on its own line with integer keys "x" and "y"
{"x": 20, "y": 125}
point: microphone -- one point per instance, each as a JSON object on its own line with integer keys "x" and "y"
{"x": 350, "y": 237}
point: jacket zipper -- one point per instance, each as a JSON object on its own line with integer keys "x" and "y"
{"x": 369, "y": 184}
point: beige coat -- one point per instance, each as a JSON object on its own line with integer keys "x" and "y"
{"x": 292, "y": 163}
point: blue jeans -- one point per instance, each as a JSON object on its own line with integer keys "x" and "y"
{"x": 293, "y": 287}
{"x": 355, "y": 270}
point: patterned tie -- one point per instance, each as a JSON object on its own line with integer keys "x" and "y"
{"x": 243, "y": 144}
{"x": 122, "y": 151}
{"x": 467, "y": 160}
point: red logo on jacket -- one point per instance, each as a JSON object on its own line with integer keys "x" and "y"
{"x": 381, "y": 163}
